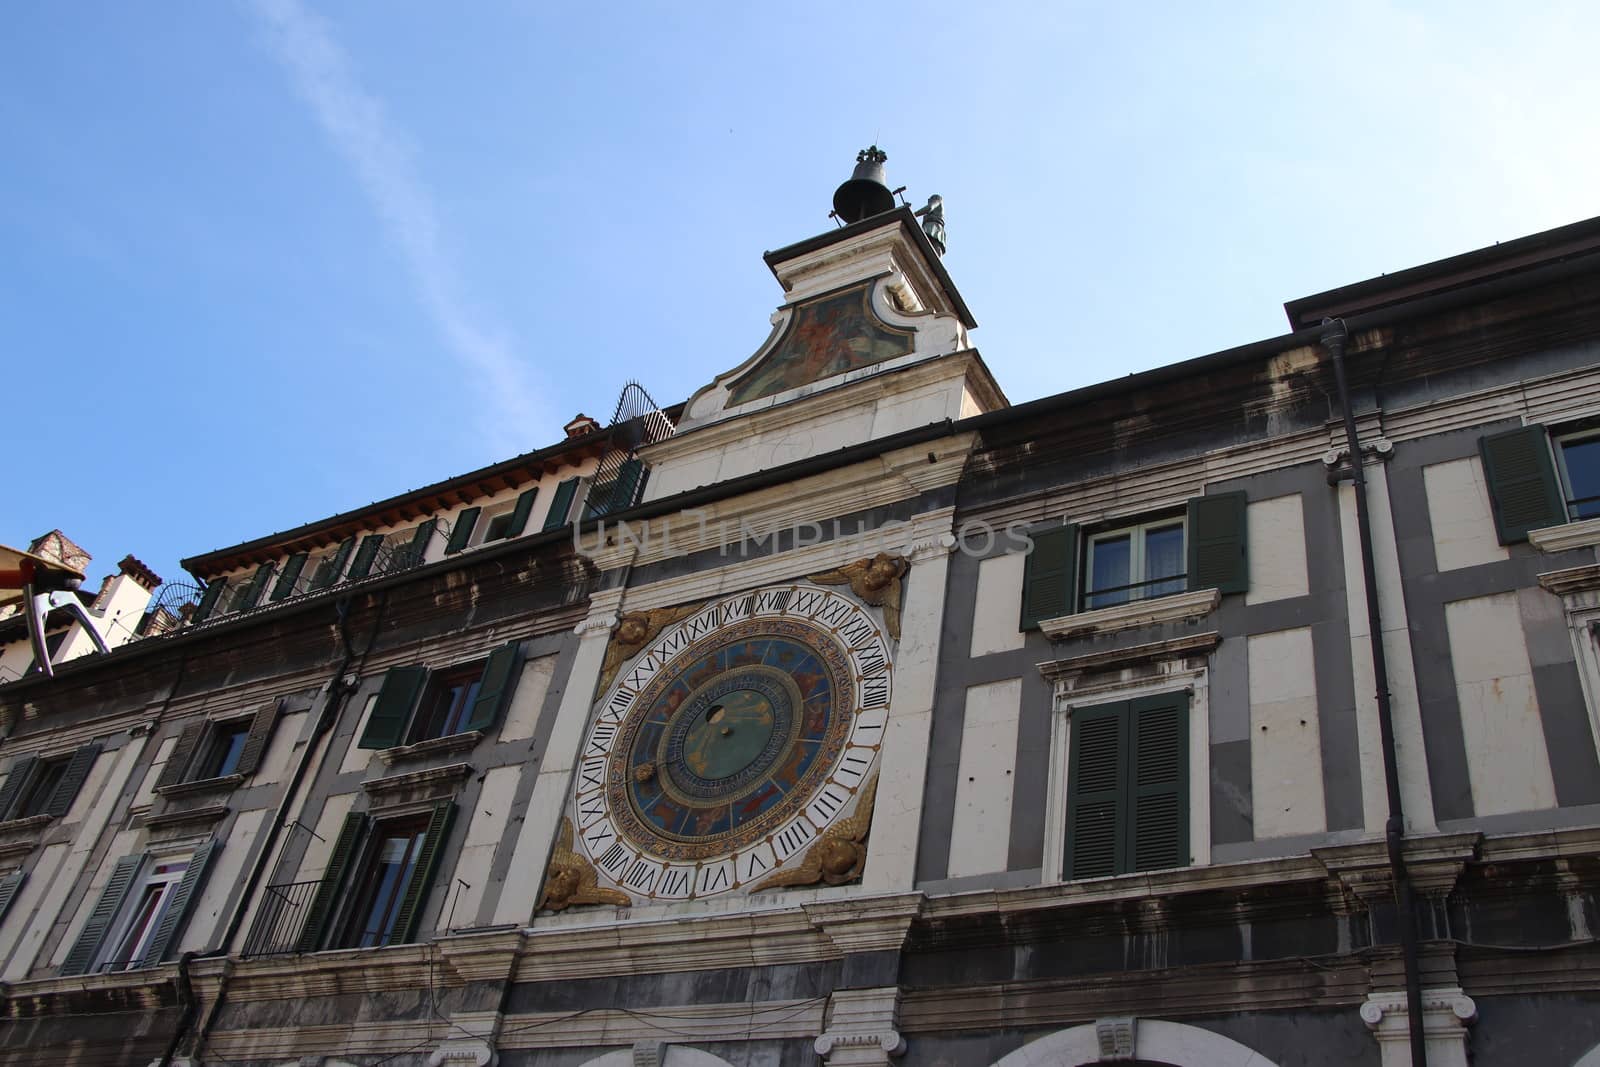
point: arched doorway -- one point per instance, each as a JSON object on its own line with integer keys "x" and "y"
{"x": 1158, "y": 1043}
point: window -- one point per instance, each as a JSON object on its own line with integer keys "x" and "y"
{"x": 211, "y": 749}
{"x": 391, "y": 866}
{"x": 45, "y": 786}
{"x": 135, "y": 921}
{"x": 42, "y": 785}
{"x": 561, "y": 504}
{"x": 1128, "y": 787}
{"x": 1579, "y": 454}
{"x": 1204, "y": 547}
{"x": 615, "y": 493}
{"x": 1133, "y": 563}
{"x": 507, "y": 520}
{"x": 388, "y": 553}
{"x": 415, "y": 704}
{"x": 225, "y": 747}
{"x": 377, "y": 881}
{"x": 143, "y": 915}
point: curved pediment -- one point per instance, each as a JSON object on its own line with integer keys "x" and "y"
{"x": 825, "y": 337}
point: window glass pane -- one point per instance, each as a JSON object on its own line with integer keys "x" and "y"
{"x": 229, "y": 745}
{"x": 1109, "y": 561}
{"x": 496, "y": 530}
{"x": 1582, "y": 462}
{"x": 145, "y": 915}
{"x": 1164, "y": 558}
{"x": 395, "y": 860}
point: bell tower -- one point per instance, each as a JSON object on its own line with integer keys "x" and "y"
{"x": 871, "y": 340}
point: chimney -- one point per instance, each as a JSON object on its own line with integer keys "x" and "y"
{"x": 581, "y": 426}
{"x": 135, "y": 569}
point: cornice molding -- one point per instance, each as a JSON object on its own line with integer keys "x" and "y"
{"x": 1585, "y": 533}
{"x": 1178, "y": 607}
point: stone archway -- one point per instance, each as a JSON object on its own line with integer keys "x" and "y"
{"x": 1157, "y": 1042}
{"x": 671, "y": 1056}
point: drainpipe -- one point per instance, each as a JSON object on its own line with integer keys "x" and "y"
{"x": 338, "y": 692}
{"x": 1334, "y": 337}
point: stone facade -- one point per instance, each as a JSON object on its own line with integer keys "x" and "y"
{"x": 1113, "y": 789}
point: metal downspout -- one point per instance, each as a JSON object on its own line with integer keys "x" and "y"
{"x": 1334, "y": 336}
{"x": 338, "y": 692}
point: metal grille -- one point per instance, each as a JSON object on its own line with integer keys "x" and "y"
{"x": 276, "y": 930}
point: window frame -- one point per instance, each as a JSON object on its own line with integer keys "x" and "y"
{"x": 1189, "y": 674}
{"x": 469, "y": 677}
{"x": 1580, "y": 431}
{"x": 1138, "y": 533}
{"x": 361, "y": 894}
{"x": 406, "y": 693}
{"x": 191, "y": 761}
{"x": 150, "y": 874}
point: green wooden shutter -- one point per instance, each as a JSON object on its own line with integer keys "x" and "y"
{"x": 17, "y": 777}
{"x": 386, "y": 726}
{"x": 327, "y": 571}
{"x": 72, "y": 779}
{"x": 461, "y": 532}
{"x": 258, "y": 584}
{"x": 1217, "y": 550}
{"x": 1096, "y": 792}
{"x": 81, "y": 958}
{"x": 208, "y": 600}
{"x": 1048, "y": 585}
{"x": 182, "y": 755}
{"x": 1524, "y": 493}
{"x": 8, "y": 891}
{"x": 291, "y": 574}
{"x": 409, "y": 917}
{"x": 365, "y": 555}
{"x": 255, "y": 744}
{"x": 519, "y": 517}
{"x": 626, "y": 488}
{"x": 327, "y": 894}
{"x": 561, "y": 504}
{"x": 183, "y": 898}
{"x": 494, "y": 692}
{"x": 418, "y": 548}
{"x": 1158, "y": 782}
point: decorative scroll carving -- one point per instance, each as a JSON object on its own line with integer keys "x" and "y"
{"x": 571, "y": 879}
{"x": 876, "y": 581}
{"x": 838, "y": 856}
{"x": 632, "y": 632}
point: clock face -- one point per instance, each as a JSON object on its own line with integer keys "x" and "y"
{"x": 731, "y": 742}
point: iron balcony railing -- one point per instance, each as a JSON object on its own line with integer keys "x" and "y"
{"x": 282, "y": 917}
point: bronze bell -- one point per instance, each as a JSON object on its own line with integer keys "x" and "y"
{"x": 867, "y": 192}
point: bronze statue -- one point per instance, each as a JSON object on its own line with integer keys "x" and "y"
{"x": 838, "y": 856}
{"x": 571, "y": 879}
{"x": 876, "y": 581}
{"x": 932, "y": 216}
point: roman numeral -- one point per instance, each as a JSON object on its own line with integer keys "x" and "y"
{"x": 796, "y": 835}
{"x": 755, "y": 866}
{"x": 875, "y": 691}
{"x": 592, "y": 772}
{"x": 829, "y": 802}
{"x": 674, "y": 881}
{"x": 713, "y": 879}
{"x": 615, "y": 859}
{"x": 600, "y": 737}
{"x": 855, "y": 765}
{"x": 598, "y": 835}
{"x": 591, "y": 807}
{"x": 641, "y": 876}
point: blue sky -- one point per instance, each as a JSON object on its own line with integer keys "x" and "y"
{"x": 268, "y": 260}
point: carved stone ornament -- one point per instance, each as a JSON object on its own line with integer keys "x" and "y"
{"x": 571, "y": 878}
{"x": 876, "y": 581}
{"x": 838, "y": 856}
{"x": 633, "y": 631}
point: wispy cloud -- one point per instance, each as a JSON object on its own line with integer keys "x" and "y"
{"x": 378, "y": 151}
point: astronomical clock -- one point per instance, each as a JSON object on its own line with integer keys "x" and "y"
{"x": 734, "y": 748}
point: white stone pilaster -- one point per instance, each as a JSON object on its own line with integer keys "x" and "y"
{"x": 903, "y": 765}
{"x": 519, "y": 896}
{"x": 1446, "y": 1013}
